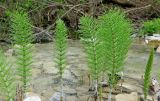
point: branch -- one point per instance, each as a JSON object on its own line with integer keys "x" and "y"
{"x": 139, "y": 8}
{"x": 49, "y": 27}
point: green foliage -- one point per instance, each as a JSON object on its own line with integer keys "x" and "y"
{"x": 61, "y": 48}
{"x": 115, "y": 33}
{"x": 86, "y": 27}
{"x": 151, "y": 27}
{"x": 7, "y": 80}
{"x": 89, "y": 30}
{"x": 61, "y": 45}
{"x": 147, "y": 76}
{"x": 22, "y": 38}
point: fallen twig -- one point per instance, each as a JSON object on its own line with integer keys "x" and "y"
{"x": 139, "y": 8}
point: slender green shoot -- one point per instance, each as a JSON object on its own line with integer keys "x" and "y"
{"x": 7, "y": 80}
{"x": 89, "y": 31}
{"x": 61, "y": 48}
{"x": 22, "y": 37}
{"x": 147, "y": 76}
{"x": 115, "y": 31}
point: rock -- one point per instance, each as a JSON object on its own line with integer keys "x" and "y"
{"x": 130, "y": 88}
{"x": 127, "y": 97}
{"x": 154, "y": 87}
{"x": 153, "y": 40}
{"x": 158, "y": 50}
{"x": 149, "y": 98}
{"x": 69, "y": 91}
{"x": 56, "y": 97}
{"x": 30, "y": 96}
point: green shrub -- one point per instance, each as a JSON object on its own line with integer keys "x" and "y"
{"x": 115, "y": 31}
{"x": 61, "y": 48}
{"x": 147, "y": 76}
{"x": 7, "y": 80}
{"x": 22, "y": 38}
{"x": 89, "y": 36}
{"x": 151, "y": 27}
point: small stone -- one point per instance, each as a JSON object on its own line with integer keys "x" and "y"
{"x": 30, "y": 96}
{"x": 154, "y": 87}
{"x": 104, "y": 84}
{"x": 158, "y": 50}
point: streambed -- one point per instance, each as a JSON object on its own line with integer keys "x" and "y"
{"x": 45, "y": 81}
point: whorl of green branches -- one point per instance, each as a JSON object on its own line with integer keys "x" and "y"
{"x": 147, "y": 76}
{"x": 7, "y": 80}
{"x": 88, "y": 29}
{"x": 61, "y": 46}
{"x": 22, "y": 38}
{"x": 115, "y": 31}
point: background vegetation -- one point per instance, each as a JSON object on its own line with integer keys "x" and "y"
{"x": 44, "y": 13}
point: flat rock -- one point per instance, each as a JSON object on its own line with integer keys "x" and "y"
{"x": 153, "y": 40}
{"x": 127, "y": 97}
{"x": 69, "y": 91}
{"x": 131, "y": 88}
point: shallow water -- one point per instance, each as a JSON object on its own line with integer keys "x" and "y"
{"x": 45, "y": 80}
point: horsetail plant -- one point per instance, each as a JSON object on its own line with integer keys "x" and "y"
{"x": 92, "y": 44}
{"x": 61, "y": 47}
{"x": 147, "y": 76}
{"x": 115, "y": 33}
{"x": 7, "y": 80}
{"x": 22, "y": 37}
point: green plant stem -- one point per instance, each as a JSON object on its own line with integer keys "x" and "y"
{"x": 7, "y": 80}
{"x": 21, "y": 38}
{"x": 100, "y": 93}
{"x": 61, "y": 44}
{"x": 62, "y": 89}
{"x": 147, "y": 76}
{"x": 110, "y": 94}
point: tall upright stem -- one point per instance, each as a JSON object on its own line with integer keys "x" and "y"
{"x": 61, "y": 98}
{"x": 110, "y": 94}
